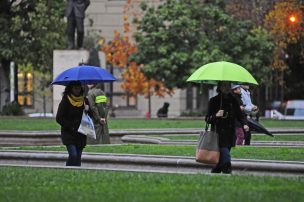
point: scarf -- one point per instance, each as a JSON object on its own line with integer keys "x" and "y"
{"x": 76, "y": 101}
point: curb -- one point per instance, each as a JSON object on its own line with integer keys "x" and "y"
{"x": 143, "y": 162}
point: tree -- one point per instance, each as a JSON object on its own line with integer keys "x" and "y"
{"x": 166, "y": 37}
{"x": 254, "y": 10}
{"x": 30, "y": 31}
{"x": 179, "y": 36}
{"x": 258, "y": 48}
{"x": 30, "y": 34}
{"x": 285, "y": 33}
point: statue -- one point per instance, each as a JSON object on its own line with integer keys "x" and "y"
{"x": 75, "y": 13}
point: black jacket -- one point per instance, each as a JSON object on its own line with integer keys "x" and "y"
{"x": 225, "y": 127}
{"x": 69, "y": 117}
{"x": 238, "y": 97}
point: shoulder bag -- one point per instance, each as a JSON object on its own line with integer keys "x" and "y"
{"x": 207, "y": 150}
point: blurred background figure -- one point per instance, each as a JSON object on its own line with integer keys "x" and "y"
{"x": 98, "y": 105}
{"x": 250, "y": 109}
{"x": 163, "y": 112}
{"x": 239, "y": 131}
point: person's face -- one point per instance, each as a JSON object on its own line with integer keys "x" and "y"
{"x": 76, "y": 90}
{"x": 90, "y": 86}
{"x": 225, "y": 87}
{"x": 237, "y": 90}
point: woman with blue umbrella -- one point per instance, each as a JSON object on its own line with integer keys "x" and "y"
{"x": 69, "y": 116}
{"x": 73, "y": 104}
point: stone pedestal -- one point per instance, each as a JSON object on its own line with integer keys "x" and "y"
{"x": 65, "y": 59}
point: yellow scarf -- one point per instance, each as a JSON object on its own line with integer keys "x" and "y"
{"x": 76, "y": 101}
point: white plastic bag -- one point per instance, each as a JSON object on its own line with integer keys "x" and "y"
{"x": 86, "y": 126}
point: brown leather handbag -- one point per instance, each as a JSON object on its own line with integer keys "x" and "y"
{"x": 207, "y": 150}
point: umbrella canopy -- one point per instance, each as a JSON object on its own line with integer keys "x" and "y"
{"x": 256, "y": 126}
{"x": 222, "y": 71}
{"x": 84, "y": 74}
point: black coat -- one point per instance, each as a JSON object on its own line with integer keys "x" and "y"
{"x": 225, "y": 127}
{"x": 69, "y": 117}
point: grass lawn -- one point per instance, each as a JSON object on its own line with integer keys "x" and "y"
{"x": 36, "y": 184}
{"x": 22, "y": 123}
{"x": 247, "y": 152}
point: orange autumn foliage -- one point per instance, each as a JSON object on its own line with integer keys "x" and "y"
{"x": 283, "y": 30}
{"x": 119, "y": 50}
{"x": 137, "y": 83}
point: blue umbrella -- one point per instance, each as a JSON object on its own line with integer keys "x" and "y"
{"x": 84, "y": 74}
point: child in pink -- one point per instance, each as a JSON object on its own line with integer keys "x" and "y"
{"x": 239, "y": 131}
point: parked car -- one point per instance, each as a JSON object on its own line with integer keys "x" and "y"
{"x": 293, "y": 110}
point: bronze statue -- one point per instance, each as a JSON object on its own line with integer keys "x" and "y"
{"x": 75, "y": 13}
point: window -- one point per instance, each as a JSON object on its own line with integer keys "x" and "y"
{"x": 25, "y": 88}
{"x": 131, "y": 101}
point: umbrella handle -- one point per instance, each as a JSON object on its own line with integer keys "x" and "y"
{"x": 221, "y": 101}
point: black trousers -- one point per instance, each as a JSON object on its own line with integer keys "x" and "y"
{"x": 75, "y": 23}
{"x": 247, "y": 138}
{"x": 248, "y": 134}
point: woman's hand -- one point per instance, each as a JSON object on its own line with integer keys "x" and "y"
{"x": 86, "y": 108}
{"x": 102, "y": 121}
{"x": 220, "y": 113}
{"x": 246, "y": 128}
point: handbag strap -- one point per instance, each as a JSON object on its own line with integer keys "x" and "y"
{"x": 207, "y": 126}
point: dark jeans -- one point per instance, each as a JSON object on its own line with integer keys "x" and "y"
{"x": 74, "y": 155}
{"x": 224, "y": 164}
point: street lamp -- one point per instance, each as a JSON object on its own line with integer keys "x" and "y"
{"x": 292, "y": 19}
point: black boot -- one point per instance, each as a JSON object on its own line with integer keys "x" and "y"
{"x": 216, "y": 169}
{"x": 226, "y": 169}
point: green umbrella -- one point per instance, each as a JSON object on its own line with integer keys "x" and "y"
{"x": 222, "y": 71}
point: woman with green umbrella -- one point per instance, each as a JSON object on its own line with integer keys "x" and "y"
{"x": 223, "y": 110}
